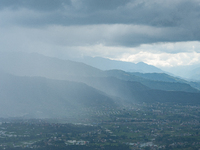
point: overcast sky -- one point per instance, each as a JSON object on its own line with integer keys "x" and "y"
{"x": 158, "y": 32}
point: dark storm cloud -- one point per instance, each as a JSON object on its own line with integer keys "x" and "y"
{"x": 42, "y": 5}
{"x": 49, "y": 5}
{"x": 160, "y": 21}
{"x": 70, "y": 12}
{"x": 97, "y": 5}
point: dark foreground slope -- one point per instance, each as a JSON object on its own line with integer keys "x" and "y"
{"x": 41, "y": 97}
{"x": 176, "y": 97}
{"x": 155, "y": 81}
{"x": 116, "y": 87}
{"x": 134, "y": 92}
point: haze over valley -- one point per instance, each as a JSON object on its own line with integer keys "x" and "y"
{"x": 33, "y": 85}
{"x": 99, "y": 74}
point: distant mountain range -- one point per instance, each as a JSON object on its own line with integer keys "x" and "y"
{"x": 195, "y": 74}
{"x": 107, "y": 64}
{"x": 24, "y": 64}
{"x": 33, "y": 85}
{"x": 190, "y": 72}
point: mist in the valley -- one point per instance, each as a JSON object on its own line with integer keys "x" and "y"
{"x": 67, "y": 58}
{"x": 36, "y": 86}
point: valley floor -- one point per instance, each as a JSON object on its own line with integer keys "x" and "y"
{"x": 141, "y": 126}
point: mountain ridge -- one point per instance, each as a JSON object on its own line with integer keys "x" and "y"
{"x": 54, "y": 98}
{"x": 42, "y": 86}
{"x": 108, "y": 64}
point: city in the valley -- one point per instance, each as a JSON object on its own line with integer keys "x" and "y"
{"x": 144, "y": 126}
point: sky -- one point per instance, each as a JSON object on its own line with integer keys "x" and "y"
{"x": 158, "y": 32}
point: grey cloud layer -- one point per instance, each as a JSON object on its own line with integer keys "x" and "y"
{"x": 42, "y": 5}
{"x": 154, "y": 12}
{"x": 139, "y": 21}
